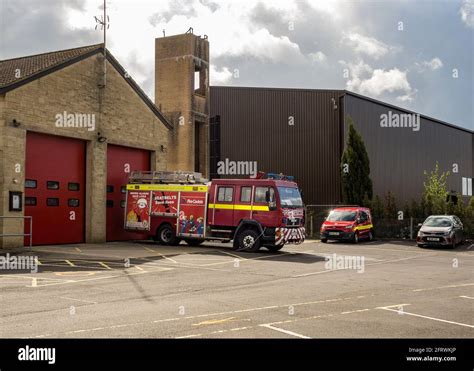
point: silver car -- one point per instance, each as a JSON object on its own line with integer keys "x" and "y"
{"x": 440, "y": 230}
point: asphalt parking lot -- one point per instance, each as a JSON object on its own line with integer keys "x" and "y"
{"x": 139, "y": 289}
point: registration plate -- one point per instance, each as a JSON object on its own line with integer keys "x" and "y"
{"x": 334, "y": 233}
{"x": 432, "y": 239}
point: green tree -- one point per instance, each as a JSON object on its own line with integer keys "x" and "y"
{"x": 355, "y": 169}
{"x": 435, "y": 190}
{"x": 390, "y": 207}
{"x": 377, "y": 207}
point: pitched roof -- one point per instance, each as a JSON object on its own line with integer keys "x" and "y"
{"x": 35, "y": 66}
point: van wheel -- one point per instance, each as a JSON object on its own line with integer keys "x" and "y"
{"x": 166, "y": 235}
{"x": 355, "y": 239}
{"x": 371, "y": 235}
{"x": 248, "y": 240}
{"x": 193, "y": 241}
{"x": 274, "y": 248}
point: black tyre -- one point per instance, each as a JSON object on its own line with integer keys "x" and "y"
{"x": 248, "y": 240}
{"x": 324, "y": 240}
{"x": 420, "y": 245}
{"x": 166, "y": 235}
{"x": 274, "y": 248}
{"x": 355, "y": 239}
{"x": 193, "y": 241}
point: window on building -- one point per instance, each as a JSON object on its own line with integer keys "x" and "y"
{"x": 52, "y": 202}
{"x": 52, "y": 184}
{"x": 73, "y": 186}
{"x": 245, "y": 194}
{"x": 30, "y": 183}
{"x": 73, "y": 202}
{"x": 225, "y": 194}
{"x": 467, "y": 186}
{"x": 30, "y": 201}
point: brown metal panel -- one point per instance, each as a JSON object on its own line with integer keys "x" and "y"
{"x": 254, "y": 126}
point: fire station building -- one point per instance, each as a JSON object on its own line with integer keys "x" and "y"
{"x": 70, "y": 134}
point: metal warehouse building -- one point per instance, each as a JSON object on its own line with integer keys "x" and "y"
{"x": 302, "y": 133}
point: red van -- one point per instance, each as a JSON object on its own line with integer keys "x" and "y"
{"x": 350, "y": 223}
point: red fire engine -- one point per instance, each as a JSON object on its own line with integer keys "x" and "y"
{"x": 173, "y": 206}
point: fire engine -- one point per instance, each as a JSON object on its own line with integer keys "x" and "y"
{"x": 172, "y": 206}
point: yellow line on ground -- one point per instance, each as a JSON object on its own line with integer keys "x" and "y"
{"x": 104, "y": 265}
{"x": 214, "y": 321}
{"x": 71, "y": 264}
{"x": 78, "y": 249}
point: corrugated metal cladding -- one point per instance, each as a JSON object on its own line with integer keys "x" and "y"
{"x": 399, "y": 156}
{"x": 254, "y": 126}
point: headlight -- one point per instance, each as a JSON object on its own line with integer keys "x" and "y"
{"x": 349, "y": 226}
{"x": 420, "y": 233}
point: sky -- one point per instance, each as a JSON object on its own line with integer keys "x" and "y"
{"x": 414, "y": 54}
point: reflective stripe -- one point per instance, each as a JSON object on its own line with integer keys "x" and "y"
{"x": 238, "y": 207}
{"x": 363, "y": 227}
{"x": 166, "y": 187}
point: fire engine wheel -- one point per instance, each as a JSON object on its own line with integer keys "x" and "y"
{"x": 248, "y": 240}
{"x": 166, "y": 235}
{"x": 193, "y": 241}
{"x": 274, "y": 248}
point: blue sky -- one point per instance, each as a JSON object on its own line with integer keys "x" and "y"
{"x": 404, "y": 52}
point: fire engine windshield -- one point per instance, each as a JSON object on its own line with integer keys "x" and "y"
{"x": 290, "y": 197}
{"x": 341, "y": 216}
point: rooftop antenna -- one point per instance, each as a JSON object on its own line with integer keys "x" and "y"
{"x": 104, "y": 23}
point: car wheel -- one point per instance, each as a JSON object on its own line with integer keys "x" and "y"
{"x": 324, "y": 240}
{"x": 166, "y": 235}
{"x": 420, "y": 245}
{"x": 274, "y": 248}
{"x": 248, "y": 240}
{"x": 453, "y": 244}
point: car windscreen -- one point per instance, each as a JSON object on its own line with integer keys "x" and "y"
{"x": 290, "y": 197}
{"x": 438, "y": 222}
{"x": 342, "y": 216}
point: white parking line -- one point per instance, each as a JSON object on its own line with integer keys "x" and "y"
{"x": 466, "y": 297}
{"x": 443, "y": 287}
{"x": 421, "y": 316}
{"x": 286, "y": 331}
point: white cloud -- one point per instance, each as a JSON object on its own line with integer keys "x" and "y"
{"x": 317, "y": 57}
{"x": 220, "y": 77}
{"x": 467, "y": 12}
{"x": 365, "y": 80}
{"x": 432, "y": 65}
{"x": 366, "y": 45}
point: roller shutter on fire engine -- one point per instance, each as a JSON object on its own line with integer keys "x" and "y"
{"x": 54, "y": 189}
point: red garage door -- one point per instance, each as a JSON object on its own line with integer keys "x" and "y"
{"x": 54, "y": 188}
{"x": 120, "y": 162}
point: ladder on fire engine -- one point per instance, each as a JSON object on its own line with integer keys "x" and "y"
{"x": 164, "y": 177}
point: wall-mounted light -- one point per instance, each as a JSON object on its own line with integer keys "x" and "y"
{"x": 101, "y": 138}
{"x": 15, "y": 123}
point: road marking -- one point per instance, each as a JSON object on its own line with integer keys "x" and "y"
{"x": 234, "y": 255}
{"x": 160, "y": 254}
{"x": 82, "y": 300}
{"x": 421, "y": 316}
{"x": 214, "y": 321}
{"x": 139, "y": 268}
{"x": 38, "y": 261}
{"x": 286, "y": 331}
{"x": 344, "y": 269}
{"x": 71, "y": 264}
{"x": 466, "y": 297}
{"x": 78, "y": 249}
{"x": 443, "y": 287}
{"x": 104, "y": 265}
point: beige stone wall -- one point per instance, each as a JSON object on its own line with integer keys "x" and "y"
{"x": 175, "y": 60}
{"x": 126, "y": 121}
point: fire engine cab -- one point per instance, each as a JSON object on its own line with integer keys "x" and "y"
{"x": 173, "y": 206}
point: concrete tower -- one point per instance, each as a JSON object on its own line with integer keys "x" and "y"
{"x": 182, "y": 94}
